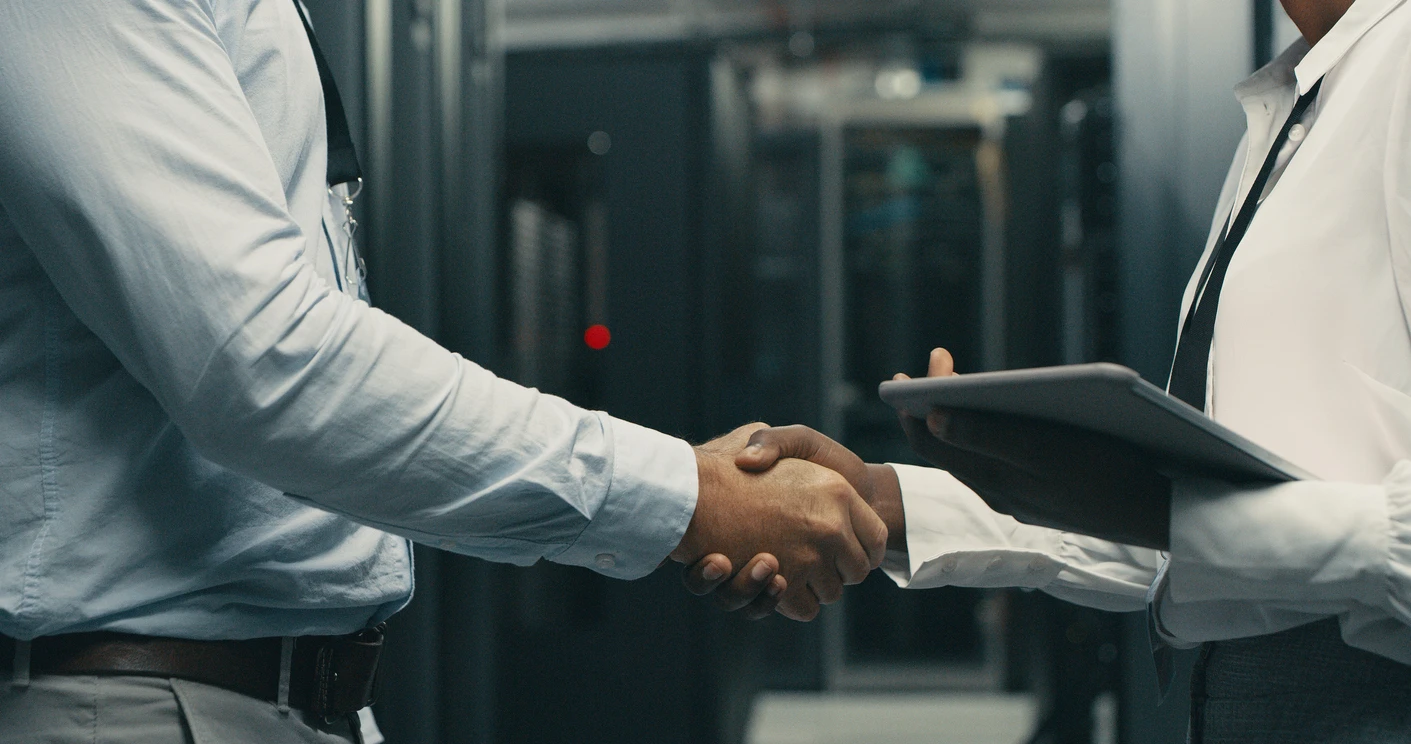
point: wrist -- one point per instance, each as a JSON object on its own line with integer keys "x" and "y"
{"x": 884, "y": 496}
{"x": 707, "y": 476}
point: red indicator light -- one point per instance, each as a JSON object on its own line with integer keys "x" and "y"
{"x": 597, "y": 337}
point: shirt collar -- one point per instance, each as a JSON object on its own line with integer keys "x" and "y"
{"x": 1359, "y": 19}
{"x": 1279, "y": 74}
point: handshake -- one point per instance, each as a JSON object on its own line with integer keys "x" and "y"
{"x": 800, "y": 515}
{"x": 803, "y": 516}
{"x": 823, "y": 515}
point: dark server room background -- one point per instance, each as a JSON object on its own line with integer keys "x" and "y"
{"x": 696, "y": 215}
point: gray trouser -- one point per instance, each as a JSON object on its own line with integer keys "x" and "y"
{"x": 149, "y": 710}
{"x": 1301, "y": 686}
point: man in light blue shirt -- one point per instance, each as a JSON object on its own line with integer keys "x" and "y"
{"x": 182, "y": 349}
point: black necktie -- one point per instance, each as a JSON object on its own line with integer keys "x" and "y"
{"x": 1190, "y": 368}
{"x": 342, "y": 158}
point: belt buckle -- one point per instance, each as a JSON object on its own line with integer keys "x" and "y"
{"x": 346, "y": 674}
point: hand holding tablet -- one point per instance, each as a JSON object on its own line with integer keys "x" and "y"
{"x": 1084, "y": 448}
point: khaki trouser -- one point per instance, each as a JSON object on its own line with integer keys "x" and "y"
{"x": 58, "y": 709}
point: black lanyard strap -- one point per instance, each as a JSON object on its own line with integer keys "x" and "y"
{"x": 1190, "y": 368}
{"x": 342, "y": 157}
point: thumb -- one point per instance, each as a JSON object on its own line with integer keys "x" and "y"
{"x": 768, "y": 446}
{"x": 941, "y": 364}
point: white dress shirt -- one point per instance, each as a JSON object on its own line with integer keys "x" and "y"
{"x": 1311, "y": 359}
{"x": 181, "y": 344}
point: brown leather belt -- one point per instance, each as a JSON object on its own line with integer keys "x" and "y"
{"x": 329, "y": 675}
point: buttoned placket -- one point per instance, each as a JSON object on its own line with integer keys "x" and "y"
{"x": 1268, "y": 98}
{"x": 1265, "y": 107}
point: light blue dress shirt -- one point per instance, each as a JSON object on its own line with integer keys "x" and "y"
{"x": 180, "y": 345}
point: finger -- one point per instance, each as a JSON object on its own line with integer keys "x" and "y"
{"x": 799, "y": 603}
{"x": 746, "y": 431}
{"x": 704, "y": 576}
{"x": 767, "y": 446}
{"x": 749, "y": 584}
{"x": 826, "y": 586}
{"x": 731, "y": 443}
{"x": 962, "y": 463}
{"x": 851, "y": 561}
{"x": 871, "y": 534}
{"x": 941, "y": 364}
{"x": 764, "y": 605}
{"x": 852, "y": 564}
{"x": 992, "y": 479}
{"x": 1022, "y": 442}
{"x": 902, "y": 415}
{"x": 938, "y": 422}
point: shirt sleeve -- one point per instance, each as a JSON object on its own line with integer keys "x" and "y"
{"x": 134, "y": 170}
{"x": 955, "y": 539}
{"x": 1248, "y": 561}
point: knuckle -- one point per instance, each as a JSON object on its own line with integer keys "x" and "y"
{"x": 836, "y": 484}
{"x": 818, "y": 527}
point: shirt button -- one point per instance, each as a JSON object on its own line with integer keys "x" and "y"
{"x": 605, "y": 561}
{"x": 1038, "y": 564}
{"x": 1297, "y": 133}
{"x": 995, "y": 563}
{"x": 948, "y": 564}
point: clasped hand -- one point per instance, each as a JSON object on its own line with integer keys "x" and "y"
{"x": 818, "y": 532}
{"x": 833, "y": 507}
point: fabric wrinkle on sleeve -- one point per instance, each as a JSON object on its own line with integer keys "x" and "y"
{"x": 1253, "y": 561}
{"x": 1104, "y": 575}
{"x": 1302, "y": 541}
{"x": 1257, "y": 561}
{"x": 955, "y": 539}
{"x": 648, "y": 506}
{"x": 1397, "y": 598}
{"x": 138, "y": 176}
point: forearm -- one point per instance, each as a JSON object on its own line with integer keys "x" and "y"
{"x": 381, "y": 424}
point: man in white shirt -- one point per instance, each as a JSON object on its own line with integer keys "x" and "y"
{"x": 213, "y": 453}
{"x": 1299, "y": 593}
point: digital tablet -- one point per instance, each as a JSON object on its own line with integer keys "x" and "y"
{"x": 1106, "y": 398}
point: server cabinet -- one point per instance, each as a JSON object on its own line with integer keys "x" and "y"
{"x": 602, "y": 217}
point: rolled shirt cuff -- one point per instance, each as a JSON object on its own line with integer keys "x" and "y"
{"x": 955, "y": 539}
{"x": 649, "y": 504}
